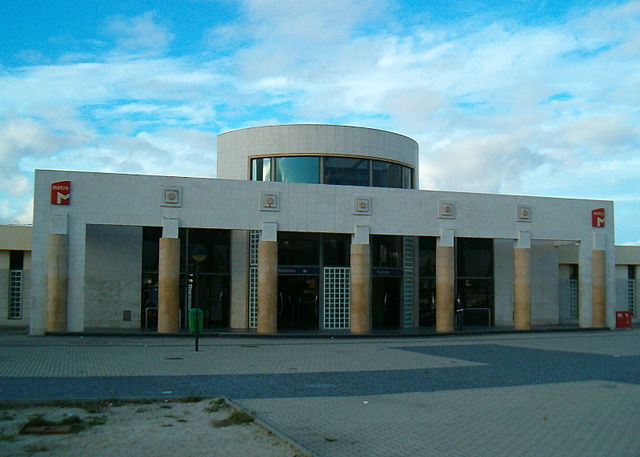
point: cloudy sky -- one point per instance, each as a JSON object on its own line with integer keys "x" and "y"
{"x": 521, "y": 97}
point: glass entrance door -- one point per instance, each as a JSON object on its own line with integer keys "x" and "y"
{"x": 386, "y": 301}
{"x": 298, "y": 303}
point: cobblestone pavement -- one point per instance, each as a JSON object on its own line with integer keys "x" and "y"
{"x": 530, "y": 394}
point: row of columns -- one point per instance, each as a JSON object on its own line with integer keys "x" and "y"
{"x": 169, "y": 276}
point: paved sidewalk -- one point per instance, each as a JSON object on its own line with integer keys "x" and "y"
{"x": 534, "y": 394}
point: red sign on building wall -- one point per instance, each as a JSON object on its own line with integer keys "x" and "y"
{"x": 61, "y": 193}
{"x": 597, "y": 217}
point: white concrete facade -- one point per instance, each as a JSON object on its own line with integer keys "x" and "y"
{"x": 107, "y": 211}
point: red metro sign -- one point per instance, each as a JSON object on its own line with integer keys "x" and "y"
{"x": 61, "y": 193}
{"x": 597, "y": 217}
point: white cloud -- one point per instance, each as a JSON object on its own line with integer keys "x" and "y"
{"x": 139, "y": 33}
{"x": 480, "y": 164}
{"x": 22, "y": 137}
{"x": 26, "y": 216}
{"x": 312, "y": 21}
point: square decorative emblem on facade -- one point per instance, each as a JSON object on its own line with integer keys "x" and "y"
{"x": 269, "y": 201}
{"x": 362, "y": 206}
{"x": 446, "y": 210}
{"x": 524, "y": 213}
{"x": 171, "y": 196}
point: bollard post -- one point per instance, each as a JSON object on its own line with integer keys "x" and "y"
{"x": 196, "y": 318}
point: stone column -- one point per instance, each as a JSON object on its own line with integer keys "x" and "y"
{"x": 360, "y": 288}
{"x": 267, "y": 286}
{"x": 445, "y": 281}
{"x": 169, "y": 285}
{"x": 599, "y": 318}
{"x": 521, "y": 289}
{"x": 57, "y": 283}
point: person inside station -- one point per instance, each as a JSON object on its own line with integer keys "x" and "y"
{"x": 459, "y": 312}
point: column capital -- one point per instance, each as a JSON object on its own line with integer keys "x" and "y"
{"x": 524, "y": 240}
{"x": 447, "y": 238}
{"x": 269, "y": 231}
{"x": 170, "y": 227}
{"x": 361, "y": 234}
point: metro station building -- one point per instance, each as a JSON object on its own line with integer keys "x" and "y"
{"x": 312, "y": 227}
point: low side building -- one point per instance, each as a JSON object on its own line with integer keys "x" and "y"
{"x": 15, "y": 275}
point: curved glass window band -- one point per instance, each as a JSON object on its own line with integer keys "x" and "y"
{"x": 346, "y": 171}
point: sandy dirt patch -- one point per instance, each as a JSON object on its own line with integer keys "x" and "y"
{"x": 171, "y": 428}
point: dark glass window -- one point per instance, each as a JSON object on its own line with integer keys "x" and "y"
{"x": 261, "y": 169}
{"x": 297, "y": 169}
{"x": 16, "y": 260}
{"x": 346, "y": 171}
{"x": 427, "y": 302}
{"x": 386, "y": 251}
{"x": 573, "y": 271}
{"x": 386, "y": 174}
{"x": 336, "y": 250}
{"x": 476, "y": 293}
{"x": 215, "y": 244}
{"x": 407, "y": 178}
{"x": 427, "y": 258}
{"x": 475, "y": 257}
{"x": 150, "y": 248}
{"x": 631, "y": 271}
{"x": 295, "y": 248}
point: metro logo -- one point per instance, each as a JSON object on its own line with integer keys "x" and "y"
{"x": 597, "y": 217}
{"x": 61, "y": 193}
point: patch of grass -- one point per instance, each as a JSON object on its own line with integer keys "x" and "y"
{"x": 236, "y": 418}
{"x": 166, "y": 407}
{"x": 215, "y": 405}
{"x": 74, "y": 422}
{"x": 97, "y": 406}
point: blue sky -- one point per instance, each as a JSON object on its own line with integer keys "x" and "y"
{"x": 519, "y": 97}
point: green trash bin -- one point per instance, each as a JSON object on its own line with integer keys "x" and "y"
{"x": 196, "y": 320}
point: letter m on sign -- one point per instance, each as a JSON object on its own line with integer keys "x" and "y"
{"x": 61, "y": 193}
{"x": 597, "y": 217}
